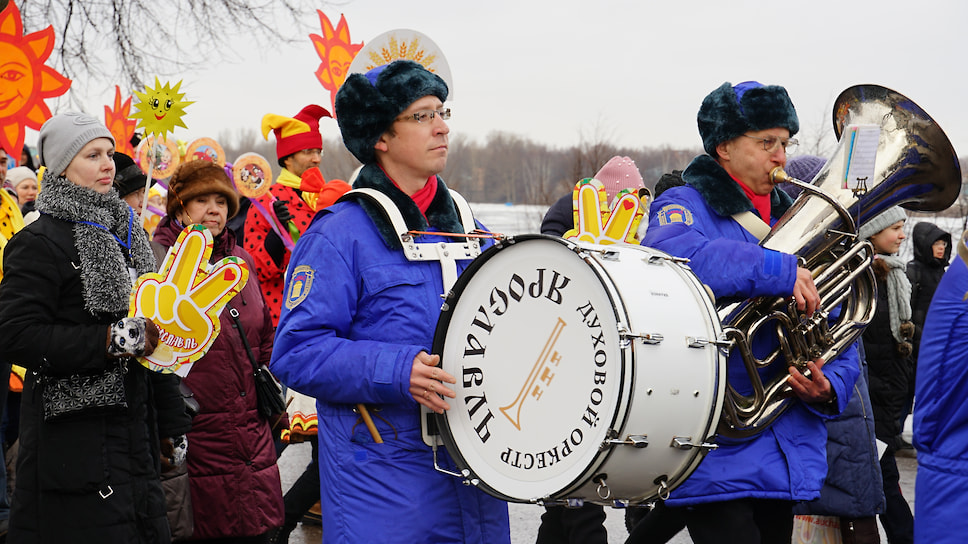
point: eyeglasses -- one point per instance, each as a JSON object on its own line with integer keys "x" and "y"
{"x": 426, "y": 116}
{"x": 772, "y": 143}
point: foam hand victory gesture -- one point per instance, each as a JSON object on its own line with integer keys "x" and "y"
{"x": 185, "y": 299}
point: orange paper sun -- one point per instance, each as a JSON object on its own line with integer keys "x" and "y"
{"x": 118, "y": 123}
{"x": 336, "y": 52}
{"x": 25, "y": 79}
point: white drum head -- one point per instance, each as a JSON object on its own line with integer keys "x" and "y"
{"x": 531, "y": 410}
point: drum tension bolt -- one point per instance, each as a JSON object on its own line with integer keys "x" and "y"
{"x": 635, "y": 440}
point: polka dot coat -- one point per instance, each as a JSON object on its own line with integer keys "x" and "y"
{"x": 259, "y": 235}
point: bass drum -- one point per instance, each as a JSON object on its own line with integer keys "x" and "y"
{"x": 583, "y": 371}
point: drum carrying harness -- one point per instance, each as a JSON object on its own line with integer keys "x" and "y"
{"x": 448, "y": 253}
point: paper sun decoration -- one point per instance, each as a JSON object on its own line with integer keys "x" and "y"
{"x": 185, "y": 298}
{"x": 117, "y": 121}
{"x": 403, "y": 44}
{"x": 336, "y": 53}
{"x": 596, "y": 223}
{"x": 25, "y": 81}
{"x": 160, "y": 109}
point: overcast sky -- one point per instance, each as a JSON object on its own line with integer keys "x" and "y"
{"x": 629, "y": 72}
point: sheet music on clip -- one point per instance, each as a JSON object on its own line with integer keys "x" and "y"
{"x": 862, "y": 141}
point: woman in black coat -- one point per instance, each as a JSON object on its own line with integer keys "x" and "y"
{"x": 932, "y": 251}
{"x": 887, "y": 343}
{"x": 90, "y": 475}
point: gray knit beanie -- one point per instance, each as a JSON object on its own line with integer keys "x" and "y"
{"x": 63, "y": 136}
{"x": 880, "y": 222}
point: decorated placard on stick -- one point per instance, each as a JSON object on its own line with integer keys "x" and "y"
{"x": 185, "y": 298}
{"x": 253, "y": 178}
{"x": 205, "y": 149}
{"x": 159, "y": 158}
{"x": 160, "y": 110}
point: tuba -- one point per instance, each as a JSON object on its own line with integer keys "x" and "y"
{"x": 915, "y": 167}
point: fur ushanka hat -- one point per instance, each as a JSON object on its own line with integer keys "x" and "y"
{"x": 367, "y": 104}
{"x": 730, "y": 111}
{"x": 200, "y": 177}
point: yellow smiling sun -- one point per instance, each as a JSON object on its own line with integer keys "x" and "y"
{"x": 160, "y": 109}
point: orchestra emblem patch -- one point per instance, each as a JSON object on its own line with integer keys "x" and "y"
{"x": 299, "y": 285}
{"x": 674, "y": 213}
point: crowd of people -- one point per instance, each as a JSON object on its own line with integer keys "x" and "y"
{"x": 346, "y": 319}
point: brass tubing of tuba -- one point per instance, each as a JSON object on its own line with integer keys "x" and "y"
{"x": 915, "y": 167}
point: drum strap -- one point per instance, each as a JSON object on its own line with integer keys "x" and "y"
{"x": 448, "y": 253}
{"x": 753, "y": 224}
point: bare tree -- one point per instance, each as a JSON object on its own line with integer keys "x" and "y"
{"x": 131, "y": 33}
{"x": 594, "y": 150}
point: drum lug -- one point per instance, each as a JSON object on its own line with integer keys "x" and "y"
{"x": 686, "y": 443}
{"x": 646, "y": 338}
{"x": 697, "y": 342}
{"x": 635, "y": 440}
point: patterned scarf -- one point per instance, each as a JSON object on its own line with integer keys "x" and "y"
{"x": 106, "y": 284}
{"x": 898, "y": 294}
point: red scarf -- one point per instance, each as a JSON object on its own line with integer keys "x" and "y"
{"x": 760, "y": 202}
{"x": 424, "y": 196}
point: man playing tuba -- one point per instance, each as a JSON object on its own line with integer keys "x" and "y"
{"x": 744, "y": 491}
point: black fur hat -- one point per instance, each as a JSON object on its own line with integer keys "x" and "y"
{"x": 128, "y": 176}
{"x": 367, "y": 104}
{"x": 730, "y": 111}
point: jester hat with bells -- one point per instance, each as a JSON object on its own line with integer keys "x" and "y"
{"x": 293, "y": 134}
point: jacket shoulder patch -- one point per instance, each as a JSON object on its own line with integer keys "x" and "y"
{"x": 674, "y": 213}
{"x": 299, "y": 285}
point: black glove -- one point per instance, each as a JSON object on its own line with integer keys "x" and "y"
{"x": 282, "y": 211}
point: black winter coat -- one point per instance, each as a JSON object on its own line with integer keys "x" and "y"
{"x": 890, "y": 372}
{"x": 92, "y": 478}
{"x": 924, "y": 272}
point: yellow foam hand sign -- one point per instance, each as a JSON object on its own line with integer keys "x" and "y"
{"x": 596, "y": 223}
{"x": 185, "y": 298}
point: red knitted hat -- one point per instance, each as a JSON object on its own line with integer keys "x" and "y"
{"x": 295, "y": 133}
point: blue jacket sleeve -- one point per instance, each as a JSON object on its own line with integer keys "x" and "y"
{"x": 722, "y": 253}
{"x": 315, "y": 349}
{"x": 842, "y": 372}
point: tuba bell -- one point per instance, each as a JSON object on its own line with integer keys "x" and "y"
{"x": 915, "y": 167}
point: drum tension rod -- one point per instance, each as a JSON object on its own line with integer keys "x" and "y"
{"x": 697, "y": 342}
{"x": 634, "y": 440}
{"x": 686, "y": 443}
{"x": 646, "y": 338}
